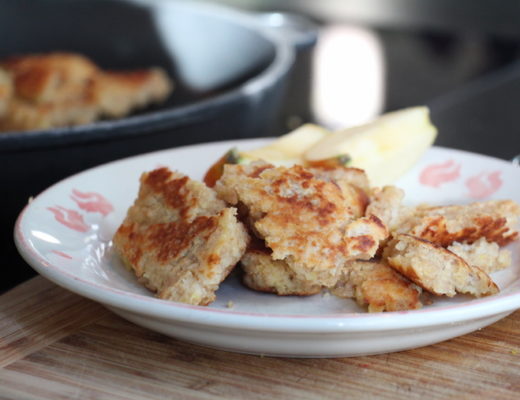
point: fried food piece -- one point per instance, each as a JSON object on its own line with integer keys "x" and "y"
{"x": 264, "y": 274}
{"x": 6, "y": 90}
{"x": 119, "y": 93}
{"x": 363, "y": 236}
{"x": 305, "y": 221}
{"x": 23, "y": 116}
{"x": 234, "y": 175}
{"x": 179, "y": 239}
{"x": 436, "y": 269}
{"x": 343, "y": 174}
{"x": 353, "y": 183}
{"x": 54, "y": 77}
{"x": 66, "y": 89}
{"x": 495, "y": 220}
{"x": 482, "y": 254}
{"x": 377, "y": 285}
{"x": 385, "y": 203}
{"x": 49, "y": 91}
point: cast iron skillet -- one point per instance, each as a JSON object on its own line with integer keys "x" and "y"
{"x": 216, "y": 57}
{"x": 230, "y": 71}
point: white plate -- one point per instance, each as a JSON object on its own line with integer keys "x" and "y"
{"x": 65, "y": 233}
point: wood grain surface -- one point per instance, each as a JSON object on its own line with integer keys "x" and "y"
{"x": 57, "y": 345}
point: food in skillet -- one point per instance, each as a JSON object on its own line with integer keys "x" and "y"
{"x": 42, "y": 91}
{"x": 319, "y": 227}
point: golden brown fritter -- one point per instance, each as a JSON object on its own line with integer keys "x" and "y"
{"x": 436, "y": 269}
{"x": 339, "y": 173}
{"x": 264, "y": 274}
{"x": 378, "y": 286}
{"x": 305, "y": 221}
{"x": 385, "y": 203}
{"x": 6, "y": 90}
{"x": 353, "y": 183}
{"x": 482, "y": 254}
{"x": 179, "y": 239}
{"x": 235, "y": 175}
{"x": 23, "y": 116}
{"x": 495, "y": 220}
{"x": 46, "y": 78}
{"x": 119, "y": 93}
{"x": 363, "y": 237}
{"x": 65, "y": 89}
{"x": 49, "y": 91}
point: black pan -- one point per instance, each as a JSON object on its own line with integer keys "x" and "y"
{"x": 231, "y": 71}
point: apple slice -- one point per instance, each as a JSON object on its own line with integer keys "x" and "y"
{"x": 385, "y": 148}
{"x": 288, "y": 149}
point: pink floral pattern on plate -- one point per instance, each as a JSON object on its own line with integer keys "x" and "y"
{"x": 69, "y": 218}
{"x": 435, "y": 175}
{"x": 92, "y": 202}
{"x": 483, "y": 184}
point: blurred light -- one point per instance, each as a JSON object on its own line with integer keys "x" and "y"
{"x": 276, "y": 19}
{"x": 348, "y": 86}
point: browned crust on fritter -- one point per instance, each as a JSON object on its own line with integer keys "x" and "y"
{"x": 174, "y": 196}
{"x": 54, "y": 77}
{"x": 166, "y": 240}
{"x": 363, "y": 237}
{"x": 376, "y": 285}
{"x": 494, "y": 220}
{"x": 234, "y": 175}
{"x": 436, "y": 269}
{"x": 304, "y": 220}
{"x": 353, "y": 183}
{"x": 179, "y": 239}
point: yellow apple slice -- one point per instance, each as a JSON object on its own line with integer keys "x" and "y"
{"x": 289, "y": 148}
{"x": 385, "y": 148}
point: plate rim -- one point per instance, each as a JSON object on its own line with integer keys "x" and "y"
{"x": 326, "y": 323}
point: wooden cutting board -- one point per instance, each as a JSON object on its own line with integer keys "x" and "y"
{"x": 57, "y": 345}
